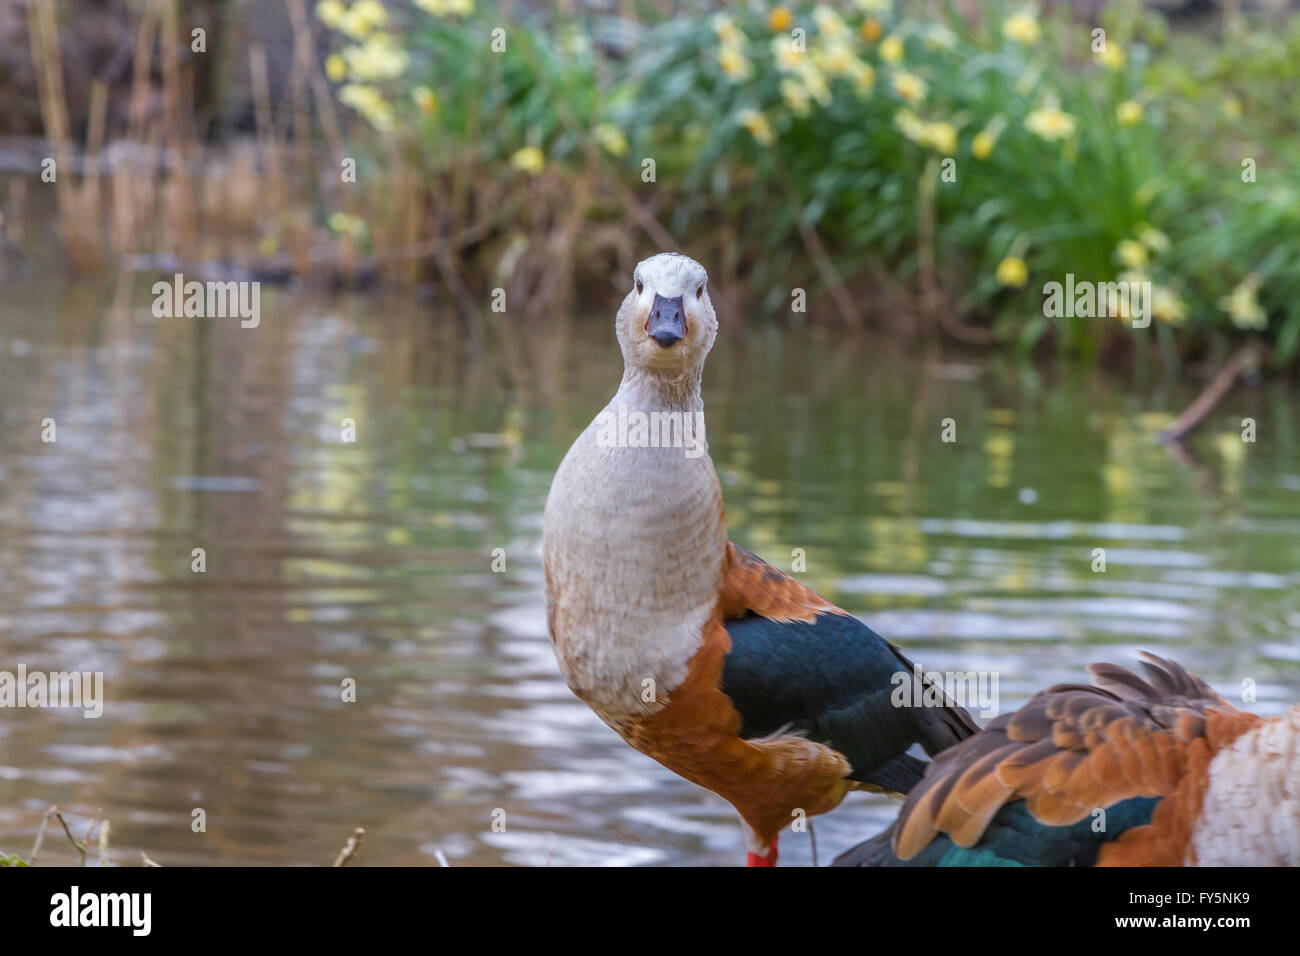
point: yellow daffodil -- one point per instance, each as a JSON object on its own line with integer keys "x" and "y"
{"x": 758, "y": 126}
{"x": 1111, "y": 56}
{"x": 1129, "y": 113}
{"x": 426, "y": 101}
{"x": 1021, "y": 28}
{"x": 1242, "y": 305}
{"x": 940, "y": 136}
{"x": 909, "y": 86}
{"x": 529, "y": 160}
{"x": 611, "y": 139}
{"x": 726, "y": 29}
{"x": 863, "y": 76}
{"x": 1012, "y": 272}
{"x": 981, "y": 146}
{"x": 446, "y": 8}
{"x": 1050, "y": 123}
{"x": 836, "y": 59}
{"x": 814, "y": 81}
{"x": 787, "y": 56}
{"x": 1131, "y": 254}
{"x": 330, "y": 12}
{"x": 780, "y": 20}
{"x": 891, "y": 49}
{"x": 1153, "y": 239}
{"x": 871, "y": 29}
{"x": 336, "y": 68}
{"x": 796, "y": 97}
{"x": 377, "y": 58}
{"x": 369, "y": 102}
{"x": 362, "y": 19}
{"x": 372, "y": 11}
{"x": 910, "y": 125}
{"x": 829, "y": 23}
{"x": 734, "y": 63}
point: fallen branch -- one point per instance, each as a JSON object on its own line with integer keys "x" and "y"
{"x": 1243, "y": 360}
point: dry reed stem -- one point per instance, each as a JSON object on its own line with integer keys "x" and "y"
{"x": 350, "y": 848}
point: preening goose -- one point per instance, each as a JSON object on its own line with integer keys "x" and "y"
{"x": 1132, "y": 771}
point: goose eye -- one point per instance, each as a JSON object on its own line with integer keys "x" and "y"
{"x": 699, "y": 290}
{"x": 639, "y": 287}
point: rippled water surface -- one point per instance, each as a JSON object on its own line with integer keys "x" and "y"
{"x": 371, "y": 560}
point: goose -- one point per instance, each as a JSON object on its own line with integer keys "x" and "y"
{"x": 1128, "y": 771}
{"x": 698, "y": 653}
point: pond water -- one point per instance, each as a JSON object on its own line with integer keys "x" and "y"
{"x": 372, "y": 560}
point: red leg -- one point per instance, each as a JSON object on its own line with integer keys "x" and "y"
{"x": 766, "y": 859}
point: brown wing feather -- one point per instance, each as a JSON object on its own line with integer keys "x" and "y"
{"x": 1073, "y": 748}
{"x": 750, "y": 584}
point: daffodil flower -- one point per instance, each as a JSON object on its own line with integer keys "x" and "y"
{"x": 1050, "y": 123}
{"x": 1021, "y": 28}
{"x": 1012, "y": 272}
{"x": 1131, "y": 254}
{"x": 530, "y": 160}
{"x": 758, "y": 126}
{"x": 780, "y": 20}
{"x": 909, "y": 86}
{"x": 1242, "y": 305}
{"x": 1129, "y": 113}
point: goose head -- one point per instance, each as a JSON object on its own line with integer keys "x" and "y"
{"x": 666, "y": 324}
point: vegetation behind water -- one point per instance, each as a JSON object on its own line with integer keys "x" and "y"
{"x": 923, "y": 167}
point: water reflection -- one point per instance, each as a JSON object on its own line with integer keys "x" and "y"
{"x": 328, "y": 559}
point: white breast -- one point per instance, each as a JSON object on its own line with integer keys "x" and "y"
{"x": 633, "y": 547}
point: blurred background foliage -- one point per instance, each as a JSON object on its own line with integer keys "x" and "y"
{"x": 925, "y": 167}
{"x": 1104, "y": 155}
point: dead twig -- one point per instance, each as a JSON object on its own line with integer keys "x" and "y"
{"x": 350, "y": 848}
{"x": 664, "y": 239}
{"x": 53, "y": 811}
{"x": 830, "y": 275}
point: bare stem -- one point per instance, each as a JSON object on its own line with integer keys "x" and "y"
{"x": 350, "y": 848}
